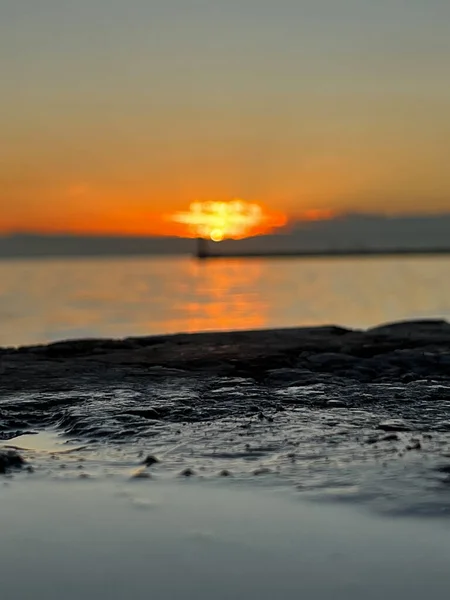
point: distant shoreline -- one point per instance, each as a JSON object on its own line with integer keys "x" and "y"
{"x": 349, "y": 234}
{"x": 116, "y": 256}
{"x": 357, "y": 253}
{"x": 206, "y": 256}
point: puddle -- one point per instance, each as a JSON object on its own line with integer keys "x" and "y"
{"x": 187, "y": 540}
{"x": 43, "y": 442}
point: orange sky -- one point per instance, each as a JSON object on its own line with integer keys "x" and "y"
{"x": 34, "y": 199}
{"x": 115, "y": 114}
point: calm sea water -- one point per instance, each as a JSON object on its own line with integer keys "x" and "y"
{"x": 45, "y": 300}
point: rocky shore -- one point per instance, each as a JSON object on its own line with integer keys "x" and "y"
{"x": 399, "y": 352}
{"x": 343, "y": 413}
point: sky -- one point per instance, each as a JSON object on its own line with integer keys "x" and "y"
{"x": 115, "y": 113}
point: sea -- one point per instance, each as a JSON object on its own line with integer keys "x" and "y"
{"x": 43, "y": 300}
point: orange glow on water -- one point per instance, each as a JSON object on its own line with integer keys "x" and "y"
{"x": 221, "y": 220}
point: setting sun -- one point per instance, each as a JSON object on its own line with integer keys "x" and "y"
{"x": 217, "y": 235}
{"x": 220, "y": 220}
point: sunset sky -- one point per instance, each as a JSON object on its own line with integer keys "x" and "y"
{"x": 114, "y": 113}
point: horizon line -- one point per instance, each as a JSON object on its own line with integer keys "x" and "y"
{"x": 10, "y": 233}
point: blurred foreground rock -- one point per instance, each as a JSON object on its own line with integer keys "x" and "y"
{"x": 404, "y": 352}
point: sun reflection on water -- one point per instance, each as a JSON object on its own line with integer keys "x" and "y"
{"x": 223, "y": 296}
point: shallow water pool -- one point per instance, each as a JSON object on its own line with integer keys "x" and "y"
{"x": 142, "y": 539}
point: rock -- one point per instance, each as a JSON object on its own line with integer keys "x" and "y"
{"x": 372, "y": 440}
{"x": 263, "y": 417}
{"x": 332, "y": 360}
{"x": 9, "y": 460}
{"x": 262, "y": 471}
{"x": 187, "y": 473}
{"x": 280, "y": 357}
{"x": 288, "y": 376}
{"x": 415, "y": 445}
{"x": 146, "y": 413}
{"x": 225, "y": 473}
{"x": 335, "y": 404}
{"x": 444, "y": 469}
{"x": 418, "y": 328}
{"x": 394, "y": 425}
{"x": 389, "y": 437}
{"x": 161, "y": 371}
{"x": 150, "y": 461}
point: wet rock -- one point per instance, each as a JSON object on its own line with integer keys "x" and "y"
{"x": 288, "y": 376}
{"x": 372, "y": 440}
{"x": 146, "y": 413}
{"x": 10, "y": 460}
{"x": 161, "y": 371}
{"x": 109, "y": 395}
{"x": 264, "y": 417}
{"x": 332, "y": 360}
{"x": 428, "y": 328}
{"x": 225, "y": 473}
{"x": 394, "y": 425}
{"x": 444, "y": 469}
{"x": 417, "y": 349}
{"x": 187, "y": 473}
{"x": 415, "y": 445}
{"x": 150, "y": 460}
{"x": 408, "y": 377}
{"x": 335, "y": 404}
{"x": 389, "y": 437}
{"x": 262, "y": 471}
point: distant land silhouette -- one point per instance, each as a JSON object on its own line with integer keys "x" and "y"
{"x": 355, "y": 231}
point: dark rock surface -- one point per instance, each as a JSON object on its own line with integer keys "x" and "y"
{"x": 397, "y": 352}
{"x": 355, "y": 414}
{"x": 10, "y": 460}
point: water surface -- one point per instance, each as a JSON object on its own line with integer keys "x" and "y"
{"x": 45, "y": 300}
{"x": 179, "y": 540}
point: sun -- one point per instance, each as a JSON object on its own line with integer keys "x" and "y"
{"x": 217, "y": 235}
{"x": 221, "y": 220}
